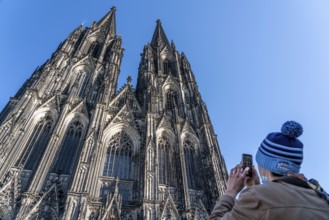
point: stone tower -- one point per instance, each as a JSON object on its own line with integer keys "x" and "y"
{"x": 72, "y": 146}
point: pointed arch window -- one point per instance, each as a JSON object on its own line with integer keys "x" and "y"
{"x": 118, "y": 159}
{"x": 169, "y": 104}
{"x": 190, "y": 165}
{"x": 82, "y": 80}
{"x": 96, "y": 88}
{"x": 109, "y": 52}
{"x": 166, "y": 66}
{"x": 171, "y": 100}
{"x": 93, "y": 49}
{"x": 37, "y": 144}
{"x": 165, "y": 161}
{"x": 69, "y": 148}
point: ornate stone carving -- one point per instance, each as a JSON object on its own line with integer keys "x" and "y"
{"x": 145, "y": 153}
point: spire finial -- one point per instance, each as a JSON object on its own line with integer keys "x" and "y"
{"x": 114, "y": 8}
{"x": 159, "y": 39}
{"x": 173, "y": 45}
{"x": 129, "y": 79}
{"x": 108, "y": 22}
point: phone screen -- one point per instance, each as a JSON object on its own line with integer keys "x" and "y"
{"x": 247, "y": 162}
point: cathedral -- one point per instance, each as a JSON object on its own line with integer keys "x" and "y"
{"x": 74, "y": 146}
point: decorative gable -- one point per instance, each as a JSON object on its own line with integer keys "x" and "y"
{"x": 86, "y": 63}
{"x": 169, "y": 210}
{"x": 53, "y": 103}
{"x": 170, "y": 81}
{"x": 97, "y": 34}
{"x": 125, "y": 115}
{"x": 165, "y": 124}
{"x": 81, "y": 108}
{"x": 113, "y": 205}
{"x": 200, "y": 211}
{"x": 187, "y": 128}
{"x": 8, "y": 195}
{"x": 166, "y": 53}
{"x": 49, "y": 199}
{"x": 126, "y": 96}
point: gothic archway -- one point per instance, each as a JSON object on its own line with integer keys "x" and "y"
{"x": 191, "y": 154}
{"x": 119, "y": 157}
{"x": 37, "y": 143}
{"x": 165, "y": 159}
{"x": 190, "y": 164}
{"x": 70, "y": 147}
{"x": 119, "y": 161}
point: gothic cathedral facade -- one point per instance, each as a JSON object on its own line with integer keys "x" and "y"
{"x": 72, "y": 146}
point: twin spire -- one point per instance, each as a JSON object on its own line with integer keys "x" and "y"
{"x": 159, "y": 38}
{"x": 108, "y": 21}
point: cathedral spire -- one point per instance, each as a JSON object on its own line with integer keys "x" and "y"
{"x": 159, "y": 38}
{"x": 73, "y": 147}
{"x": 108, "y": 21}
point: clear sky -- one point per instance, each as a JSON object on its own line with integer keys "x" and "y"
{"x": 257, "y": 63}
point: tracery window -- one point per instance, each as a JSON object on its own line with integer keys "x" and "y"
{"x": 119, "y": 156}
{"x": 171, "y": 100}
{"x": 96, "y": 88}
{"x": 166, "y": 66}
{"x": 69, "y": 148}
{"x": 169, "y": 103}
{"x": 190, "y": 164}
{"x": 165, "y": 162}
{"x": 37, "y": 144}
{"x": 108, "y": 54}
{"x": 82, "y": 80}
{"x": 93, "y": 49}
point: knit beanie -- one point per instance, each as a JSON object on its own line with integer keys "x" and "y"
{"x": 281, "y": 152}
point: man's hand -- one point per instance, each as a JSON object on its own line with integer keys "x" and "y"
{"x": 254, "y": 180}
{"x": 235, "y": 182}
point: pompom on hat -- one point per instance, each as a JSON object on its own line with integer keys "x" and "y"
{"x": 281, "y": 152}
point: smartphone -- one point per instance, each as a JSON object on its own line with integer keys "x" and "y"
{"x": 247, "y": 162}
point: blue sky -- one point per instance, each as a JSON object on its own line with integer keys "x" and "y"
{"x": 257, "y": 63}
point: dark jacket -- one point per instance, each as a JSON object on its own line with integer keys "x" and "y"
{"x": 280, "y": 200}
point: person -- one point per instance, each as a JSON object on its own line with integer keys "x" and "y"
{"x": 285, "y": 193}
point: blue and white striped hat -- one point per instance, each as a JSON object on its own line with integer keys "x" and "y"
{"x": 281, "y": 152}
